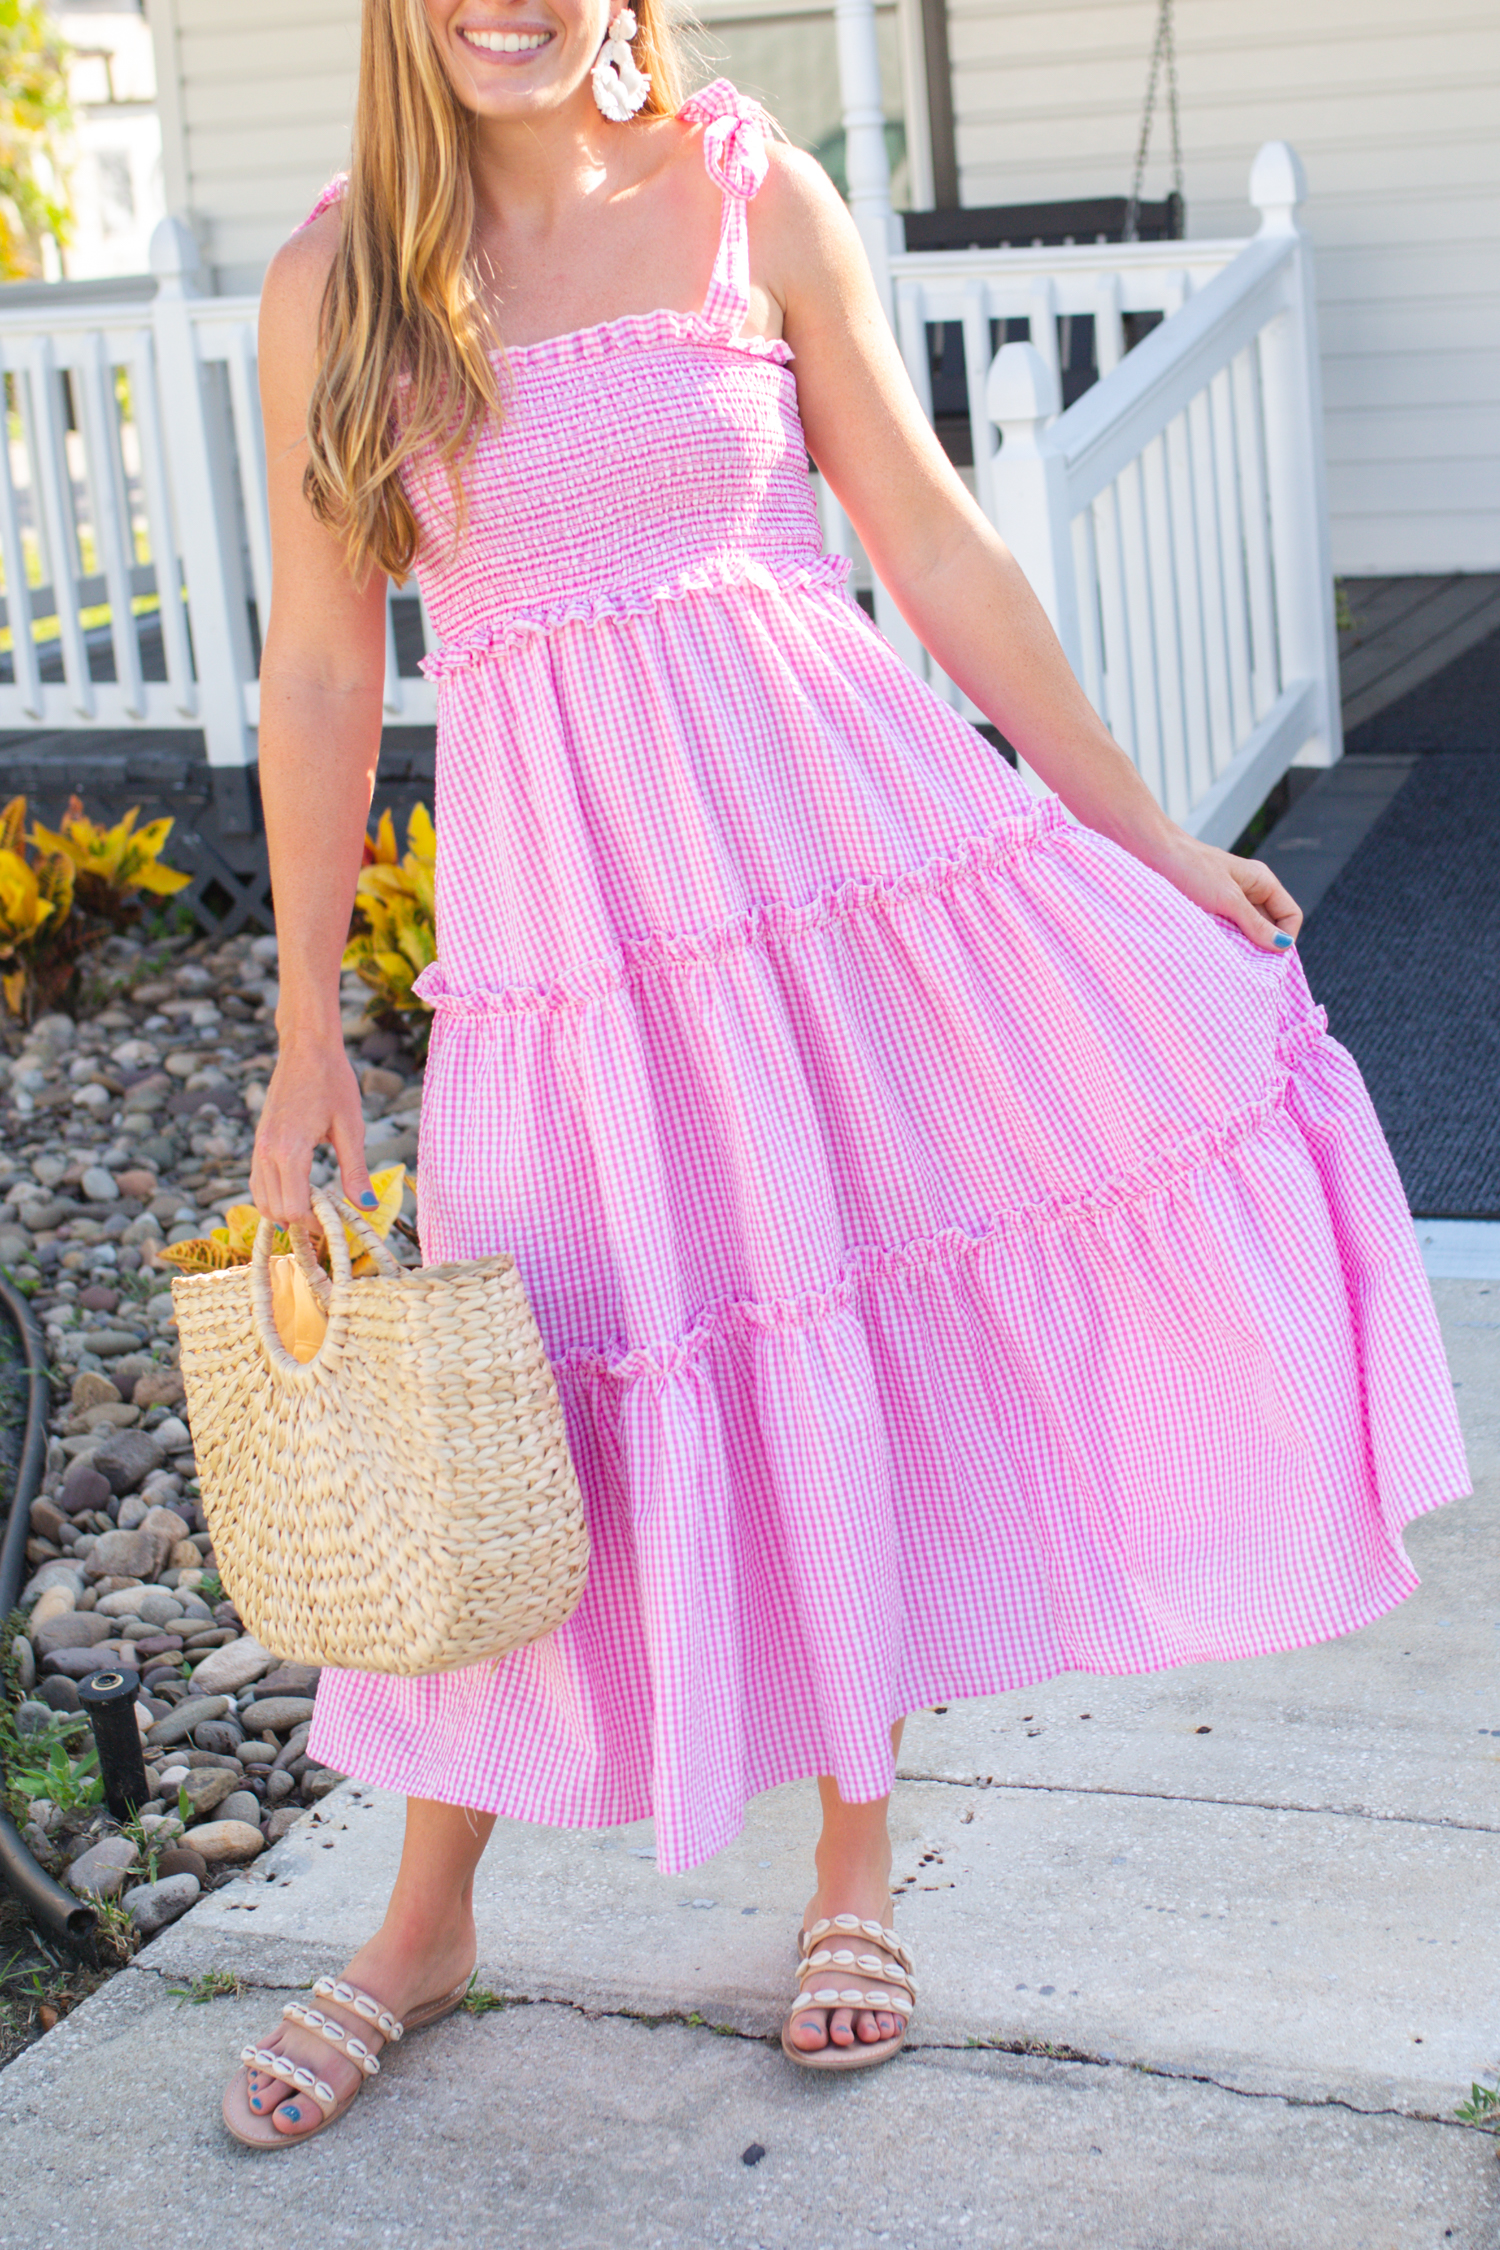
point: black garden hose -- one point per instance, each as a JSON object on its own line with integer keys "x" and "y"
{"x": 45, "y": 1901}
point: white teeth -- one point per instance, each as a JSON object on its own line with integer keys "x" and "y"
{"x": 508, "y": 42}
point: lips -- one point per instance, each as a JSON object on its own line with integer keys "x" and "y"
{"x": 505, "y": 42}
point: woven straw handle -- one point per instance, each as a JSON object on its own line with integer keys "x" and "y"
{"x": 332, "y": 1216}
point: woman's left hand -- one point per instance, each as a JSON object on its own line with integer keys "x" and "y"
{"x": 1242, "y": 891}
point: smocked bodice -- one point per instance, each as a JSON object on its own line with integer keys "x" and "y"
{"x": 635, "y": 460}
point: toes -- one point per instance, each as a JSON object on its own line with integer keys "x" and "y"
{"x": 866, "y": 2029}
{"x": 810, "y": 2031}
{"x": 297, "y": 2115}
{"x": 841, "y": 2027}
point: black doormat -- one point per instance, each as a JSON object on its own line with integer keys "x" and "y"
{"x": 1404, "y": 952}
{"x": 1458, "y": 709}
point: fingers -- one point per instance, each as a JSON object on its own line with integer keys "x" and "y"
{"x": 349, "y": 1148}
{"x": 1275, "y": 915}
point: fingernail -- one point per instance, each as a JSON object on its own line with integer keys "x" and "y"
{"x": 1282, "y": 941}
{"x": 369, "y": 1199}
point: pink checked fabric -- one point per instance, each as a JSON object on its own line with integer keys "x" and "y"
{"x": 963, "y": 1260}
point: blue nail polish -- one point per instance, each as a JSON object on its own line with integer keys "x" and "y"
{"x": 293, "y": 2116}
{"x": 1282, "y": 940}
{"x": 369, "y": 1199}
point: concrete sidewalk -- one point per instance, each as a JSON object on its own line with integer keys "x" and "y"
{"x": 1206, "y": 1961}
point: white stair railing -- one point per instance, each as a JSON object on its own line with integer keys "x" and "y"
{"x": 1174, "y": 520}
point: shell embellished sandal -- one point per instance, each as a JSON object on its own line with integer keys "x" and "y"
{"x": 254, "y": 2128}
{"x": 836, "y": 1975}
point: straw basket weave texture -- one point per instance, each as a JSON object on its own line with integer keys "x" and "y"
{"x": 405, "y": 1500}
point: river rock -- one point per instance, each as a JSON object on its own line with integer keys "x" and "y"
{"x": 59, "y": 1693}
{"x": 173, "y": 1435}
{"x": 121, "y": 1603}
{"x": 289, "y": 1679}
{"x": 279, "y": 1787}
{"x": 47, "y": 1521}
{"x": 79, "y": 1663}
{"x": 166, "y": 1527}
{"x": 281, "y": 1821}
{"x": 93, "y": 1389}
{"x": 320, "y": 1783}
{"x": 293, "y": 1747}
{"x": 23, "y": 1657}
{"x": 163, "y": 1386}
{"x": 181, "y": 1859}
{"x": 232, "y": 1667}
{"x": 100, "y": 1871}
{"x": 206, "y": 1787}
{"x": 57, "y": 1601}
{"x": 158, "y": 1607}
{"x": 221, "y": 1737}
{"x": 55, "y": 1573}
{"x": 123, "y": 1554}
{"x": 242, "y": 1805}
{"x": 100, "y": 1186}
{"x": 83, "y": 1488}
{"x": 32, "y": 1718}
{"x": 224, "y": 1841}
{"x": 79, "y": 1629}
{"x": 180, "y": 1724}
{"x": 127, "y": 1457}
{"x": 151, "y": 1906}
{"x": 273, "y": 1714}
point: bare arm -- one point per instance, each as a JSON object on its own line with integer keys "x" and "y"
{"x": 952, "y": 576}
{"x": 321, "y": 678}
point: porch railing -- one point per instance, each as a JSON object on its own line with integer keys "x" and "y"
{"x": 1173, "y": 519}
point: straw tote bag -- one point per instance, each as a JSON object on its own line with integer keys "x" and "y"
{"x": 403, "y": 1501}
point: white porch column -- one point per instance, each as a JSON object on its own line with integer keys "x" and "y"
{"x": 864, "y": 138}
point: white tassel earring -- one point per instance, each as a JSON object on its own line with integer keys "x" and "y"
{"x": 619, "y": 88}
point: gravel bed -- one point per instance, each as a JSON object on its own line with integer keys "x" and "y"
{"x": 132, "y": 1126}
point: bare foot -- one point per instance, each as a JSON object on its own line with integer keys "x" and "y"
{"x": 847, "y": 2027}
{"x": 402, "y": 1974}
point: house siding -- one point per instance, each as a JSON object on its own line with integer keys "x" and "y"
{"x": 262, "y": 108}
{"x": 1393, "y": 113}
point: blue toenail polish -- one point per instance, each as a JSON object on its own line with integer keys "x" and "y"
{"x": 294, "y": 2117}
{"x": 1282, "y": 940}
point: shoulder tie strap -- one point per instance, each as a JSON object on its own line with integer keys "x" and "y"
{"x": 734, "y": 154}
{"x": 333, "y": 193}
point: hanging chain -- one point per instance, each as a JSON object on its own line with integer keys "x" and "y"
{"x": 1163, "y": 55}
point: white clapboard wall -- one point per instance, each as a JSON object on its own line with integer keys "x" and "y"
{"x": 255, "y": 108}
{"x": 1395, "y": 111}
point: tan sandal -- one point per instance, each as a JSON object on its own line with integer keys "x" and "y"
{"x": 255, "y": 2130}
{"x": 894, "y": 1995}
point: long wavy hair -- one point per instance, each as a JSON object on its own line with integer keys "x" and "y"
{"x": 406, "y": 364}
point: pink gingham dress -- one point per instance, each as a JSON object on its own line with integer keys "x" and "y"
{"x": 963, "y": 1259}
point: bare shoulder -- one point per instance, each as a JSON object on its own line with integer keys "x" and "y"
{"x": 804, "y": 229}
{"x": 291, "y": 299}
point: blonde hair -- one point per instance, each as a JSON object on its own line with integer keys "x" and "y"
{"x": 406, "y": 341}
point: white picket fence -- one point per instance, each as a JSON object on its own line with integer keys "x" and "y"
{"x": 1173, "y": 520}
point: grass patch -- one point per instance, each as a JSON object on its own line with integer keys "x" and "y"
{"x": 479, "y": 2002}
{"x": 214, "y": 1984}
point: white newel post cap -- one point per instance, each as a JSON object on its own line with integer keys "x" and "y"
{"x": 1278, "y": 185}
{"x": 1022, "y": 394}
{"x": 175, "y": 257}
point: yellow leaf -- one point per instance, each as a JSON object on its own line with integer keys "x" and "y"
{"x": 162, "y": 880}
{"x": 203, "y": 1255}
{"x": 14, "y": 989}
{"x": 385, "y": 840}
{"x": 421, "y": 836}
{"x": 13, "y": 825}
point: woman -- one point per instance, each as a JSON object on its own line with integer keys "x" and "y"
{"x": 963, "y": 1255}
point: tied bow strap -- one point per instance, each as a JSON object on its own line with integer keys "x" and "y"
{"x": 734, "y": 139}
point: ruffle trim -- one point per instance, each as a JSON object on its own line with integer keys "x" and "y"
{"x": 953, "y": 1247}
{"x": 666, "y": 951}
{"x": 645, "y": 332}
{"x": 718, "y": 574}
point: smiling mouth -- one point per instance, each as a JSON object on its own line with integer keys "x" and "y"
{"x": 506, "y": 42}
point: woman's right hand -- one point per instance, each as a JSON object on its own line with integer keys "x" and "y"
{"x": 313, "y": 1096}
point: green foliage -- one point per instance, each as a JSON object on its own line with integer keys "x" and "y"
{"x": 477, "y": 2001}
{"x": 62, "y": 888}
{"x": 1481, "y": 2108}
{"x": 214, "y": 1984}
{"x": 394, "y": 936}
{"x": 35, "y": 119}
